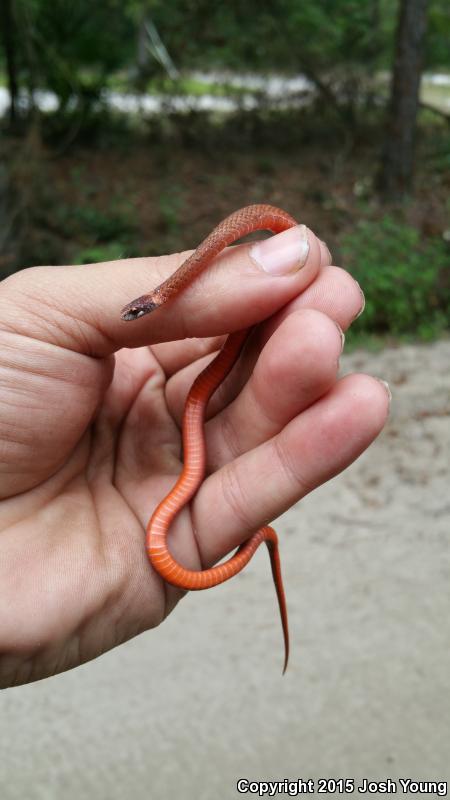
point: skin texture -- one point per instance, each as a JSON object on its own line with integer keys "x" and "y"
{"x": 239, "y": 224}
{"x": 90, "y": 421}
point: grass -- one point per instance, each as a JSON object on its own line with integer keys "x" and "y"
{"x": 184, "y": 85}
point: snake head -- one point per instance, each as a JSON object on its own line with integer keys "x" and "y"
{"x": 138, "y": 308}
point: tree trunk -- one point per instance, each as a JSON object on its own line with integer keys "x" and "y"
{"x": 395, "y": 178}
{"x": 7, "y": 28}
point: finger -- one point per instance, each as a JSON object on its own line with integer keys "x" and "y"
{"x": 296, "y": 367}
{"x": 264, "y": 482}
{"x": 79, "y": 307}
{"x": 326, "y": 258}
{"x": 334, "y": 292}
{"x": 174, "y": 357}
{"x": 268, "y": 387}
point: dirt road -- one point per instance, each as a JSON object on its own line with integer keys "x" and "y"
{"x": 189, "y": 709}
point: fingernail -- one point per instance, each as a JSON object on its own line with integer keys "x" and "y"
{"x": 363, "y": 302}
{"x": 284, "y": 253}
{"x": 327, "y": 250}
{"x": 386, "y": 386}
{"x": 342, "y": 335}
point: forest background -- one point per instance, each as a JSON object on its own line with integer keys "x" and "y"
{"x": 132, "y": 127}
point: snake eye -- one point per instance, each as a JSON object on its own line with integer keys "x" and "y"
{"x": 139, "y": 307}
{"x": 133, "y": 312}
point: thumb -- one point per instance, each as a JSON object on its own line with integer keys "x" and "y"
{"x": 79, "y": 307}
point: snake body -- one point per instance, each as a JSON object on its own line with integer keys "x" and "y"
{"x": 235, "y": 226}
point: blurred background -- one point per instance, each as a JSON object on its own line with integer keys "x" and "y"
{"x": 131, "y": 128}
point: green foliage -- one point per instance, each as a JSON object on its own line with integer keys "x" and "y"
{"x": 193, "y": 87}
{"x": 102, "y": 226}
{"x": 107, "y": 252}
{"x": 97, "y": 226}
{"x": 279, "y": 34}
{"x": 170, "y": 207}
{"x": 77, "y": 49}
{"x": 70, "y": 47}
{"x": 438, "y": 37}
{"x": 97, "y": 235}
{"x": 405, "y": 278}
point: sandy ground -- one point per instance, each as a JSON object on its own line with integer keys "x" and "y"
{"x": 188, "y": 709}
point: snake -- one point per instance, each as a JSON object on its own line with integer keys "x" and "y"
{"x": 237, "y": 225}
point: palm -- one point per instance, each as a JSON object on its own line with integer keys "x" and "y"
{"x": 74, "y": 528}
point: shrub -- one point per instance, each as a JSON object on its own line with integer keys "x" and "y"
{"x": 405, "y": 278}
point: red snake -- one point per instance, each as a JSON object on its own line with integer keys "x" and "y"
{"x": 238, "y": 224}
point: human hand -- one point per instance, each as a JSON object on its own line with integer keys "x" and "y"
{"x": 90, "y": 411}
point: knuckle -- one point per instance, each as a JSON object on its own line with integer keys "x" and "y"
{"x": 230, "y": 436}
{"x": 235, "y": 497}
{"x": 296, "y": 480}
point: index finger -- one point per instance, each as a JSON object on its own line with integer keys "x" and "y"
{"x": 81, "y": 305}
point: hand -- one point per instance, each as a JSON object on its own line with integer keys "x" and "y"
{"x": 90, "y": 410}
